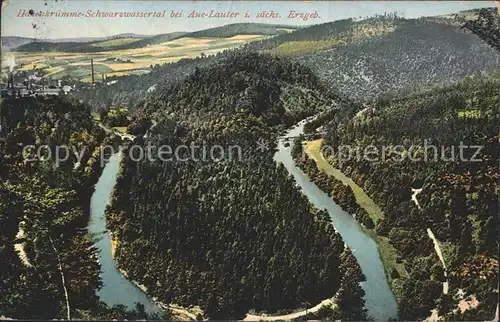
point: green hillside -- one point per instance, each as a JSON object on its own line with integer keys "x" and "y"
{"x": 242, "y": 29}
{"x": 131, "y": 43}
{"x": 101, "y": 45}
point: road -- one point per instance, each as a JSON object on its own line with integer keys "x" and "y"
{"x": 437, "y": 248}
{"x": 251, "y": 317}
{"x": 123, "y": 136}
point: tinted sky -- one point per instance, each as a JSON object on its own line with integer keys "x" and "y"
{"x": 50, "y": 28}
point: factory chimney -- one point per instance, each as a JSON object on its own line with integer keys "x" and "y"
{"x": 92, "y": 68}
{"x": 10, "y": 80}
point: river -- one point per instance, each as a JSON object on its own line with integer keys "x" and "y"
{"x": 116, "y": 289}
{"x": 379, "y": 300}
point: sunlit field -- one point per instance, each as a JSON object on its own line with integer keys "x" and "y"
{"x": 122, "y": 62}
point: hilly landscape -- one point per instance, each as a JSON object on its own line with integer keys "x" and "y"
{"x": 386, "y": 54}
{"x": 364, "y": 60}
{"x": 231, "y": 104}
{"x": 117, "y": 42}
{"x": 127, "y": 54}
{"x": 43, "y": 213}
{"x": 13, "y": 42}
{"x": 455, "y": 199}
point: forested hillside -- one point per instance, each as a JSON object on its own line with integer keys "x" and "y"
{"x": 228, "y": 235}
{"x": 43, "y": 213}
{"x": 119, "y": 43}
{"x": 422, "y": 134}
{"x": 366, "y": 60}
{"x": 486, "y": 26}
{"x": 415, "y": 55}
{"x": 369, "y": 58}
{"x": 11, "y": 42}
{"x": 342, "y": 31}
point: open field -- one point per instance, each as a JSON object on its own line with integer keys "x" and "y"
{"x": 312, "y": 149}
{"x": 114, "y": 42}
{"x": 125, "y": 61}
{"x": 304, "y": 47}
{"x": 387, "y": 251}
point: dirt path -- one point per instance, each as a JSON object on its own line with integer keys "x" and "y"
{"x": 414, "y": 196}
{"x": 63, "y": 280}
{"x": 123, "y": 136}
{"x": 251, "y": 317}
{"x": 437, "y": 248}
{"x": 387, "y": 251}
{"x": 19, "y": 247}
{"x": 178, "y": 310}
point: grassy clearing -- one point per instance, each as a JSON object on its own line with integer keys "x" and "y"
{"x": 470, "y": 114}
{"x": 121, "y": 129}
{"x": 292, "y": 48}
{"x": 55, "y": 62}
{"x": 313, "y": 149}
{"x": 88, "y": 78}
{"x": 35, "y": 65}
{"x": 73, "y": 71}
{"x": 78, "y": 59}
{"x": 131, "y": 66}
{"x": 387, "y": 252}
{"x": 54, "y": 70}
{"x": 246, "y": 37}
{"x": 98, "y": 68}
{"x": 115, "y": 42}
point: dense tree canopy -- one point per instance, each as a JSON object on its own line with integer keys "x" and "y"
{"x": 459, "y": 198}
{"x": 236, "y": 231}
{"x": 49, "y": 203}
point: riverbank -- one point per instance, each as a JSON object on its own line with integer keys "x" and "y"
{"x": 379, "y": 298}
{"x": 387, "y": 252}
{"x": 177, "y": 312}
{"x": 180, "y": 313}
{"x": 291, "y": 316}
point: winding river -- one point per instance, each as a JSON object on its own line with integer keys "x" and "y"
{"x": 380, "y": 302}
{"x": 116, "y": 289}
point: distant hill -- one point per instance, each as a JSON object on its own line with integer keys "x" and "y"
{"x": 104, "y": 43}
{"x": 10, "y": 42}
{"x": 151, "y": 40}
{"x": 92, "y": 44}
{"x": 47, "y": 46}
{"x": 217, "y": 32}
{"x": 364, "y": 60}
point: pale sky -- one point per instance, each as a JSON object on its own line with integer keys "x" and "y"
{"x": 54, "y": 27}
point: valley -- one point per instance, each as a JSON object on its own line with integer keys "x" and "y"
{"x": 349, "y": 196}
{"x": 109, "y": 63}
